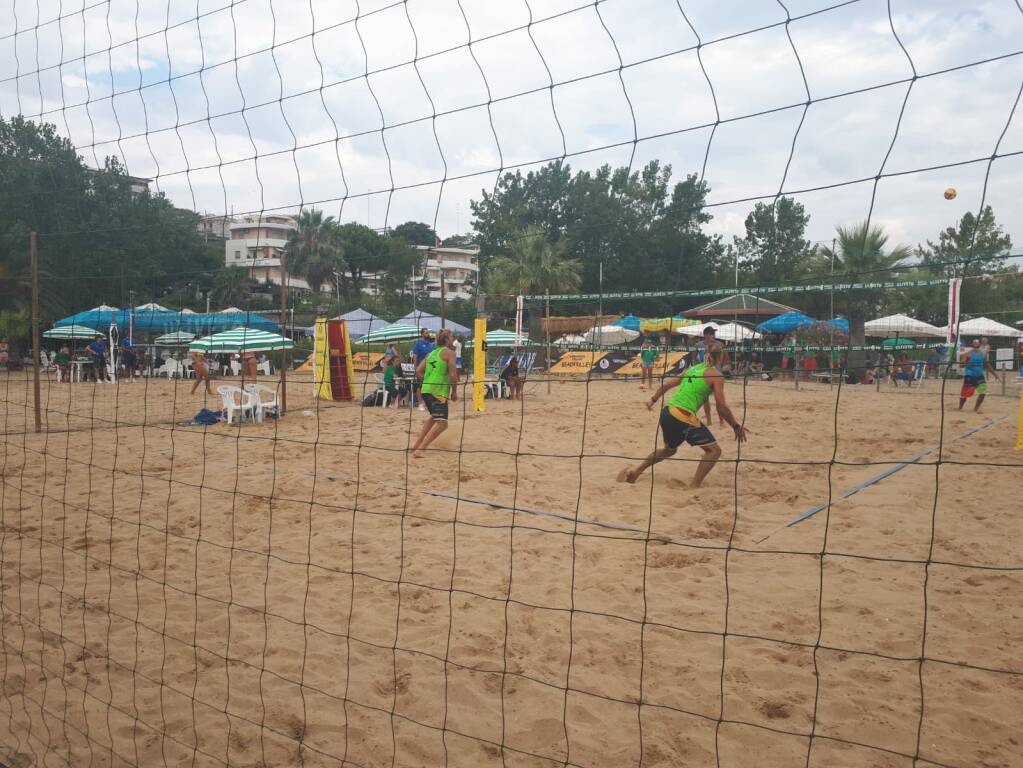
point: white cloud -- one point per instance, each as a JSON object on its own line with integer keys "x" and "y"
{"x": 263, "y": 63}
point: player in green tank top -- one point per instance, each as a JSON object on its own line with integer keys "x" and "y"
{"x": 439, "y": 374}
{"x": 680, "y": 421}
{"x": 647, "y": 358}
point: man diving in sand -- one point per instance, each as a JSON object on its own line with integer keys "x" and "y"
{"x": 679, "y": 421}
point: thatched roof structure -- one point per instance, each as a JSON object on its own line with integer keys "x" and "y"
{"x": 558, "y": 326}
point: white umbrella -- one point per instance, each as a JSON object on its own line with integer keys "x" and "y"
{"x": 72, "y": 332}
{"x": 902, "y": 325}
{"x": 151, "y": 307}
{"x": 735, "y": 332}
{"x": 188, "y": 311}
{"x": 103, "y": 308}
{"x": 570, "y": 338}
{"x": 175, "y": 339}
{"x": 609, "y": 334}
{"x": 693, "y": 330}
{"x": 231, "y": 311}
{"x": 983, "y": 326}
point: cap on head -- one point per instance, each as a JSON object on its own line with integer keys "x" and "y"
{"x": 710, "y": 330}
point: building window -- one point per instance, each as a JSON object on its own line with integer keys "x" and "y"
{"x": 237, "y": 254}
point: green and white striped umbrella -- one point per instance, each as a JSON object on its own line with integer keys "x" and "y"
{"x": 241, "y": 340}
{"x": 394, "y": 332}
{"x": 176, "y": 339}
{"x": 503, "y": 338}
{"x": 72, "y": 332}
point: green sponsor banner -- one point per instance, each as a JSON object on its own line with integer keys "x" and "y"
{"x": 814, "y": 288}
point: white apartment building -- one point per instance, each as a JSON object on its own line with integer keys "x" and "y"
{"x": 257, "y": 243}
{"x": 455, "y": 267}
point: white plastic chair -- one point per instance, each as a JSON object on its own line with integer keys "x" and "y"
{"x": 264, "y": 367}
{"x": 263, "y": 407}
{"x": 237, "y": 401}
{"x": 171, "y": 368}
{"x": 236, "y": 368}
{"x": 381, "y": 390}
{"x": 186, "y": 369}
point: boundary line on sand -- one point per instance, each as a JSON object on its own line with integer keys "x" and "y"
{"x": 875, "y": 480}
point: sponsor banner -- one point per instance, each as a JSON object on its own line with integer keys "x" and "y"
{"x": 576, "y": 362}
{"x": 665, "y": 362}
{"x": 815, "y": 288}
{"x": 366, "y": 361}
{"x": 611, "y": 362}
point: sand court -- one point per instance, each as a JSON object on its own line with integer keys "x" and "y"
{"x": 302, "y": 591}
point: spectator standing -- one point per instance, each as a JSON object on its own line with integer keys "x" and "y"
{"x": 420, "y": 351}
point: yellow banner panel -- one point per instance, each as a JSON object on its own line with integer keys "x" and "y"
{"x": 576, "y": 362}
{"x": 662, "y": 364}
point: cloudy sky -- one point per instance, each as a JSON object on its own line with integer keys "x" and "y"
{"x": 380, "y": 111}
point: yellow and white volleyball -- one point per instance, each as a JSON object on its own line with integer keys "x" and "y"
{"x": 950, "y": 193}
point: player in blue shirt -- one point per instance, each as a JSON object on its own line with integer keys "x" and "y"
{"x": 98, "y": 350}
{"x": 420, "y": 351}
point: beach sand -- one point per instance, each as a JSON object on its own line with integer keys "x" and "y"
{"x": 303, "y": 592}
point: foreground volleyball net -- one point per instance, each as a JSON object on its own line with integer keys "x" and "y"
{"x": 296, "y": 588}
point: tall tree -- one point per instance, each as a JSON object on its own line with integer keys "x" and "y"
{"x": 466, "y": 240}
{"x": 232, "y": 287}
{"x": 861, "y": 255}
{"x": 533, "y": 265}
{"x": 313, "y": 251}
{"x": 364, "y": 250}
{"x": 774, "y": 249}
{"x": 415, "y": 233}
{"x": 974, "y": 246}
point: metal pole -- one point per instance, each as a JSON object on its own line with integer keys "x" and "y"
{"x": 831, "y": 317}
{"x": 600, "y": 305}
{"x": 443, "y": 296}
{"x": 284, "y": 328}
{"x": 34, "y": 258}
{"x": 547, "y": 330}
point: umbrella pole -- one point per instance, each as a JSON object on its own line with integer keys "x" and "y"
{"x": 34, "y": 257}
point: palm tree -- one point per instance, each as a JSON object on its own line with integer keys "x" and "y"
{"x": 232, "y": 287}
{"x": 534, "y": 265}
{"x": 313, "y": 251}
{"x": 860, "y": 254}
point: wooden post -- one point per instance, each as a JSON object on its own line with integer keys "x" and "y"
{"x": 284, "y": 328}
{"x": 34, "y": 259}
{"x": 547, "y": 331}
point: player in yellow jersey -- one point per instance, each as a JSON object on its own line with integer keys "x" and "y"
{"x": 439, "y": 374}
{"x": 680, "y": 422}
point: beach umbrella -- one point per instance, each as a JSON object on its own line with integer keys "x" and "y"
{"x": 175, "y": 339}
{"x": 72, "y": 332}
{"x": 903, "y": 325}
{"x": 230, "y": 311}
{"x": 241, "y": 340}
{"x": 983, "y": 326}
{"x": 151, "y": 307}
{"x": 393, "y": 332}
{"x": 631, "y": 322}
{"x": 786, "y": 323}
{"x": 360, "y": 322}
{"x": 610, "y": 334}
{"x": 735, "y": 332}
{"x": 503, "y": 338}
{"x": 898, "y": 343}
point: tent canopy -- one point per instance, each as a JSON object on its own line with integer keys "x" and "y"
{"x": 241, "y": 340}
{"x": 166, "y": 321}
{"x": 902, "y": 325}
{"x": 431, "y": 323}
{"x": 739, "y": 304}
{"x": 360, "y": 322}
{"x": 984, "y": 326}
{"x": 786, "y": 323}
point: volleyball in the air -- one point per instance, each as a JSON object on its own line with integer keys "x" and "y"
{"x": 950, "y": 194}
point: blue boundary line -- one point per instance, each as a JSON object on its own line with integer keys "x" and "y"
{"x": 876, "y": 479}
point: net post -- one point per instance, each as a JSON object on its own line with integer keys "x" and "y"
{"x": 1019, "y": 426}
{"x": 36, "y": 400}
{"x": 284, "y": 329}
{"x": 547, "y": 333}
{"x": 479, "y": 364}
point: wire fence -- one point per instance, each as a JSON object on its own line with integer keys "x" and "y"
{"x": 304, "y": 590}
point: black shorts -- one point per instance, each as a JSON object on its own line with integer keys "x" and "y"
{"x": 438, "y": 409}
{"x": 674, "y": 432}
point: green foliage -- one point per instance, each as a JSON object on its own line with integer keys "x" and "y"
{"x": 232, "y": 287}
{"x": 774, "y": 249}
{"x": 98, "y": 239}
{"x": 644, "y": 232}
{"x": 533, "y": 265}
{"x": 468, "y": 240}
{"x": 415, "y": 233}
{"x": 313, "y": 251}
